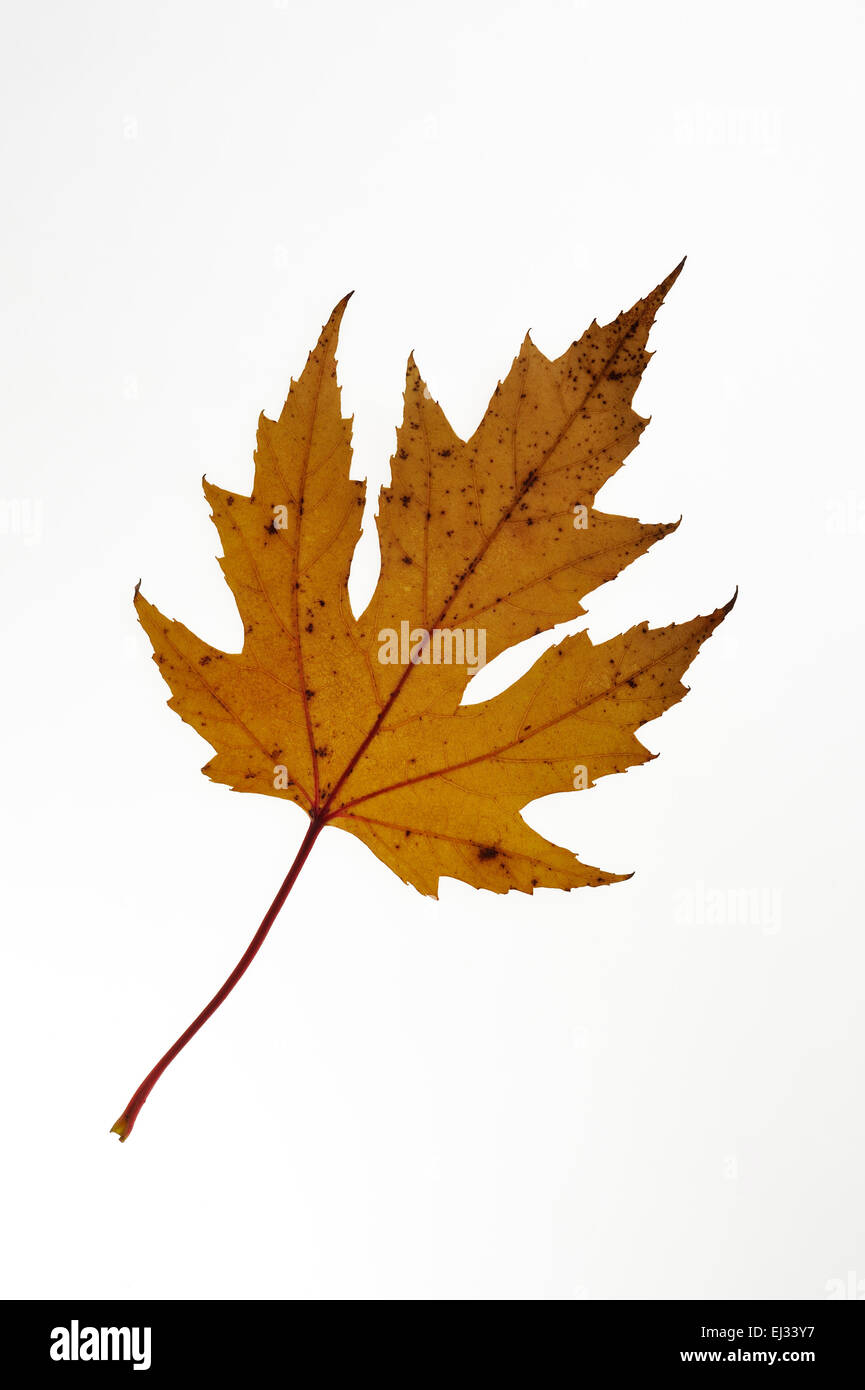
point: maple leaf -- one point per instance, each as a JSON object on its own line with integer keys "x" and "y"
{"x": 484, "y": 543}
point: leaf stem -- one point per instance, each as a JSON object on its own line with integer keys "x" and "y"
{"x": 123, "y": 1127}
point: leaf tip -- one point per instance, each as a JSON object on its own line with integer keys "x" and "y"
{"x": 338, "y": 312}
{"x": 720, "y": 613}
{"x": 667, "y": 283}
{"x": 137, "y": 591}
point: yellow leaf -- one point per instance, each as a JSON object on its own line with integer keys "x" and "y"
{"x": 483, "y": 543}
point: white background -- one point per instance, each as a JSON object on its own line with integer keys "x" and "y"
{"x": 651, "y": 1090}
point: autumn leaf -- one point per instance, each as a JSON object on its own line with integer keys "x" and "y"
{"x": 484, "y": 543}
